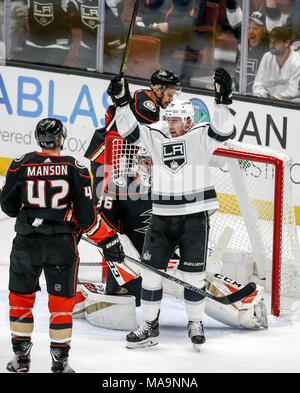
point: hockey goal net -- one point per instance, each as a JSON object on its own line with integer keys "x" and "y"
{"x": 256, "y": 208}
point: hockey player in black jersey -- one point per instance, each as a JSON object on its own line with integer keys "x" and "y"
{"x": 183, "y": 194}
{"x": 145, "y": 104}
{"x": 50, "y": 195}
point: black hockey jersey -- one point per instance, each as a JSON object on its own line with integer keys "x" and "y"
{"x": 144, "y": 109}
{"x": 255, "y": 54}
{"x": 85, "y": 16}
{"x": 48, "y": 194}
{"x": 128, "y": 210}
{"x": 49, "y": 24}
{"x": 85, "y": 13}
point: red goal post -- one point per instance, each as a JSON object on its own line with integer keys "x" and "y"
{"x": 278, "y": 208}
{"x": 255, "y": 196}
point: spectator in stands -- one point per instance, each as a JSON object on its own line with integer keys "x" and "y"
{"x": 280, "y": 17}
{"x": 18, "y": 26}
{"x": 1, "y": 31}
{"x": 294, "y": 22}
{"x": 85, "y": 16}
{"x": 50, "y": 36}
{"x": 291, "y": 19}
{"x": 172, "y": 21}
{"x": 278, "y": 75}
{"x": 257, "y": 37}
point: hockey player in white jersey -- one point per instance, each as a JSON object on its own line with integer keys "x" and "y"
{"x": 127, "y": 216}
{"x": 183, "y": 196}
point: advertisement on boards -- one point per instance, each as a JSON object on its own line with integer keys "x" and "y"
{"x": 27, "y": 95}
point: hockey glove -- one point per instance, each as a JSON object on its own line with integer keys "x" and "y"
{"x": 119, "y": 92}
{"x": 112, "y": 249}
{"x": 223, "y": 86}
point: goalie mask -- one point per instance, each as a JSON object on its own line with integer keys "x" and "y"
{"x": 143, "y": 166}
{"x": 182, "y": 109}
{"x": 48, "y": 132}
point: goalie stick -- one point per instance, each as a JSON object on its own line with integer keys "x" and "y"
{"x": 229, "y": 299}
{"x": 122, "y": 272}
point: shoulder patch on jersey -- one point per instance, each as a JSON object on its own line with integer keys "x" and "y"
{"x": 150, "y": 105}
{"x": 79, "y": 165}
{"x": 19, "y": 158}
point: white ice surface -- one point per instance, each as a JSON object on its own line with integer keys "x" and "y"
{"x": 97, "y": 350}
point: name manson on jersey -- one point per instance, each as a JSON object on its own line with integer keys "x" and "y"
{"x": 47, "y": 170}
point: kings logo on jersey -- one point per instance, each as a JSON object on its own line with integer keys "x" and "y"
{"x": 174, "y": 157}
{"x": 43, "y": 13}
{"x": 89, "y": 16}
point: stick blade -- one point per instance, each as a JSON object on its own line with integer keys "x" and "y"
{"x": 238, "y": 295}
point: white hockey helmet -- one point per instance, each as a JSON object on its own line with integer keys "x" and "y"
{"x": 143, "y": 171}
{"x": 180, "y": 108}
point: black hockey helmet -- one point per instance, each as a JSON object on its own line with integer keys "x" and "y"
{"x": 48, "y": 132}
{"x": 165, "y": 79}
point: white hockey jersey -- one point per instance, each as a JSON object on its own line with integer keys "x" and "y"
{"x": 181, "y": 180}
{"x": 283, "y": 82}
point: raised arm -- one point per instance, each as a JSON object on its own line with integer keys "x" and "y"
{"x": 128, "y": 126}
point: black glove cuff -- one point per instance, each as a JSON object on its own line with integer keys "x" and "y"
{"x": 121, "y": 101}
{"x": 115, "y": 88}
{"x": 109, "y": 242}
{"x": 222, "y": 99}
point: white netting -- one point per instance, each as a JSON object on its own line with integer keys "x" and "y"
{"x": 245, "y": 190}
{"x": 122, "y": 164}
{"x": 246, "y": 186}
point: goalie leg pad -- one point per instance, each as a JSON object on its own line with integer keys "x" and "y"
{"x": 106, "y": 311}
{"x": 78, "y": 311}
{"x": 110, "y": 314}
{"x": 249, "y": 313}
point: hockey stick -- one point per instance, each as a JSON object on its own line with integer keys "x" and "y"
{"x": 122, "y": 274}
{"x": 127, "y": 48}
{"x": 128, "y": 40}
{"x": 229, "y": 299}
{"x": 89, "y": 263}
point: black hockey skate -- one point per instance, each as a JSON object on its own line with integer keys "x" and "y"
{"x": 144, "y": 336}
{"x": 20, "y": 363}
{"x": 196, "y": 333}
{"x": 60, "y": 364}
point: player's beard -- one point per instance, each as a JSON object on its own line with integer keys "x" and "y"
{"x": 277, "y": 52}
